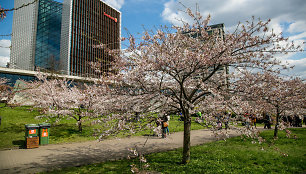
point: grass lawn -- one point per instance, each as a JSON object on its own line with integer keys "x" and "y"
{"x": 232, "y": 156}
{"x": 12, "y": 130}
{"x": 12, "y": 125}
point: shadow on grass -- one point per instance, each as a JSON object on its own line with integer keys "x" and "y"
{"x": 68, "y": 130}
{"x": 20, "y": 143}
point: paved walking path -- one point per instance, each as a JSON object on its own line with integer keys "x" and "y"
{"x": 49, "y": 157}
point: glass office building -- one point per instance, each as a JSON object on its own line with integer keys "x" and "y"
{"x": 87, "y": 23}
{"x": 61, "y": 36}
{"x": 48, "y": 35}
{"x": 36, "y": 34}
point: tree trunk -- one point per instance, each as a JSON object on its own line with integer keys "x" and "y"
{"x": 80, "y": 118}
{"x": 80, "y": 124}
{"x": 277, "y": 120}
{"x": 186, "y": 143}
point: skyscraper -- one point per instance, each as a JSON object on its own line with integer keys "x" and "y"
{"x": 61, "y": 36}
{"x": 48, "y": 35}
{"x": 87, "y": 23}
{"x": 36, "y": 34}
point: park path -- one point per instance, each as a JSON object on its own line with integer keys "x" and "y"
{"x": 49, "y": 157}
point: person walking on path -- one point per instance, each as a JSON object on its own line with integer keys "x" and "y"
{"x": 168, "y": 118}
{"x": 219, "y": 123}
{"x": 226, "y": 120}
{"x": 164, "y": 126}
{"x": 253, "y": 117}
{"x": 268, "y": 120}
{"x": 247, "y": 120}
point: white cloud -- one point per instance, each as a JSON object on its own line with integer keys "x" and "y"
{"x": 286, "y": 16}
{"x": 231, "y": 12}
{"x": 171, "y": 14}
{"x": 4, "y": 52}
{"x": 301, "y": 36}
{"x": 298, "y": 26}
{"x": 117, "y": 4}
{"x": 299, "y": 68}
{"x": 3, "y": 61}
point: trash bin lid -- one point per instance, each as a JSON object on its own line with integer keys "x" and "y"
{"x": 31, "y": 126}
{"x": 44, "y": 125}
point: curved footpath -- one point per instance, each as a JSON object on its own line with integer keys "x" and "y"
{"x": 49, "y": 157}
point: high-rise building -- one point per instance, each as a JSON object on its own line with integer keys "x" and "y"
{"x": 62, "y": 36}
{"x": 36, "y": 34}
{"x": 87, "y": 23}
{"x": 216, "y": 30}
{"x": 48, "y": 35}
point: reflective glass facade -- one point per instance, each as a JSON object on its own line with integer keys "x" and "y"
{"x": 99, "y": 25}
{"x": 14, "y": 77}
{"x": 91, "y": 23}
{"x": 48, "y": 35}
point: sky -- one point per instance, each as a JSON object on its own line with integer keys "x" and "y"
{"x": 288, "y": 17}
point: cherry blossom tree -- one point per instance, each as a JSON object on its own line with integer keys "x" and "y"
{"x": 275, "y": 94}
{"x": 3, "y": 82}
{"x": 93, "y": 101}
{"x": 6, "y": 92}
{"x": 184, "y": 68}
{"x": 60, "y": 98}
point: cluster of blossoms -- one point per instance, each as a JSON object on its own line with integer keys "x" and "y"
{"x": 2, "y": 13}
{"x": 6, "y": 91}
{"x": 143, "y": 164}
{"x": 3, "y": 81}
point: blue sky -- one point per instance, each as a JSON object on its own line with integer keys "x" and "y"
{"x": 288, "y": 17}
